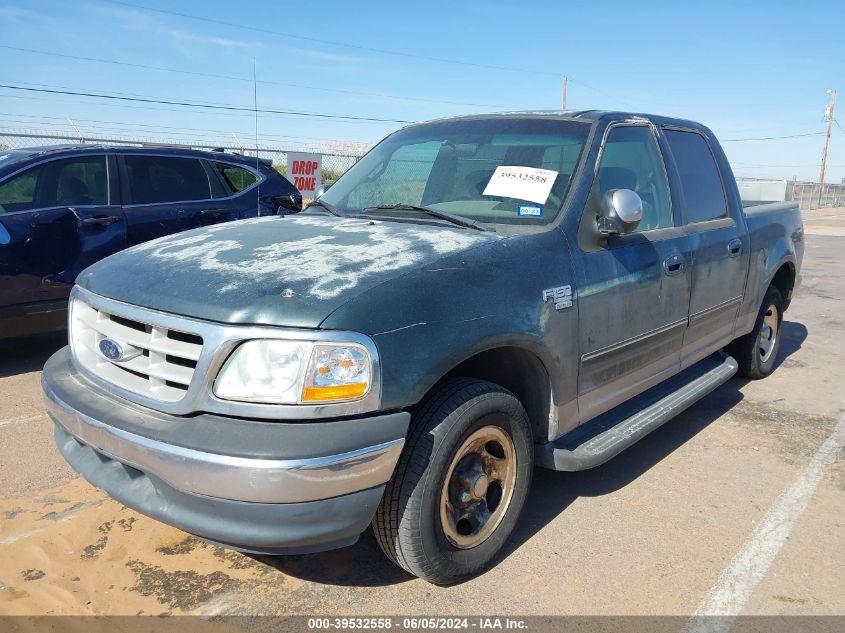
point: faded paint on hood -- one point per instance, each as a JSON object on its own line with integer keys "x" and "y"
{"x": 239, "y": 272}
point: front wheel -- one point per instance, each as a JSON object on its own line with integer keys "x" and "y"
{"x": 461, "y": 483}
{"x": 756, "y": 352}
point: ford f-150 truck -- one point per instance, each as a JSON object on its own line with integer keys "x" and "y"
{"x": 473, "y": 297}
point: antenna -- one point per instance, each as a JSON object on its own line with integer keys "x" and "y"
{"x": 565, "y": 81}
{"x": 73, "y": 125}
{"x": 257, "y": 162}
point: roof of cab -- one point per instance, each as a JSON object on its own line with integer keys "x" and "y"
{"x": 582, "y": 115}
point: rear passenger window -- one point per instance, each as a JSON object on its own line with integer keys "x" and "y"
{"x": 703, "y": 192}
{"x": 631, "y": 160}
{"x": 235, "y": 178}
{"x": 161, "y": 179}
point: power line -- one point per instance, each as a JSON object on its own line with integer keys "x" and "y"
{"x": 114, "y": 62}
{"x": 381, "y": 51}
{"x": 209, "y": 106}
{"x": 770, "y": 138}
{"x": 20, "y": 82}
{"x": 149, "y": 127}
{"x": 153, "y": 108}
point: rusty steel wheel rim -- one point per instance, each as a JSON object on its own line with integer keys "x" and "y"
{"x": 478, "y": 487}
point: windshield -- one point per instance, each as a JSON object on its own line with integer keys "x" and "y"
{"x": 504, "y": 171}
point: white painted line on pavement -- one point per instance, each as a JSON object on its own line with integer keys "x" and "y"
{"x": 22, "y": 419}
{"x": 736, "y": 584}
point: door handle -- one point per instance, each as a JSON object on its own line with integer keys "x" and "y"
{"x": 674, "y": 265}
{"x": 101, "y": 220}
{"x": 97, "y": 220}
{"x": 212, "y": 212}
{"x": 734, "y": 247}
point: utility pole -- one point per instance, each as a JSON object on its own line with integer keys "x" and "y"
{"x": 828, "y": 114}
{"x": 565, "y": 80}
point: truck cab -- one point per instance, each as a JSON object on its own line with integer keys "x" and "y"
{"x": 473, "y": 297}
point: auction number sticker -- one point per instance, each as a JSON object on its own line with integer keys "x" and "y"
{"x": 522, "y": 183}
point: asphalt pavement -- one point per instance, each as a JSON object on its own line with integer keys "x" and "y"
{"x": 736, "y": 506}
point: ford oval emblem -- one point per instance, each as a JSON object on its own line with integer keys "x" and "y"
{"x": 111, "y": 349}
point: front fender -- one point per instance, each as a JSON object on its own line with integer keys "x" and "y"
{"x": 431, "y": 320}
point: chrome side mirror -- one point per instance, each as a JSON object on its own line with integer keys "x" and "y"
{"x": 622, "y": 210}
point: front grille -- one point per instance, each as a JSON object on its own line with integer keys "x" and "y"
{"x": 162, "y": 371}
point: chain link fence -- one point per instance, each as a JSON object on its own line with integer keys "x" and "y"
{"x": 337, "y": 156}
{"x": 814, "y": 195}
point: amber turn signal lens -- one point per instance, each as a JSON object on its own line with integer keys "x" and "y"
{"x": 334, "y": 392}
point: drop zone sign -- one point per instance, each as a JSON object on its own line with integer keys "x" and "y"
{"x": 305, "y": 172}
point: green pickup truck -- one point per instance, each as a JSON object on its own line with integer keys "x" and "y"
{"x": 474, "y": 297}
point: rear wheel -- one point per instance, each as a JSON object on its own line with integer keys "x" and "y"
{"x": 757, "y": 351}
{"x": 461, "y": 483}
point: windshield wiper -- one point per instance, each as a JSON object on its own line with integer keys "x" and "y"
{"x": 328, "y": 207}
{"x": 441, "y": 215}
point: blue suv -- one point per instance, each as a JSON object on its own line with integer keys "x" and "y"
{"x": 63, "y": 208}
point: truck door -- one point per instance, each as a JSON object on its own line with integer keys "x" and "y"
{"x": 633, "y": 291}
{"x": 57, "y": 219}
{"x": 719, "y": 243}
{"x": 163, "y": 195}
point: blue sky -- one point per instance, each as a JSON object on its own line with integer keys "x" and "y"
{"x": 746, "y": 69}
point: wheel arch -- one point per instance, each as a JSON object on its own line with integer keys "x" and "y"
{"x": 520, "y": 371}
{"x": 784, "y": 280}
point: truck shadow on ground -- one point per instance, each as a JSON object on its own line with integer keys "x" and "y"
{"x": 551, "y": 492}
{"x": 28, "y": 354}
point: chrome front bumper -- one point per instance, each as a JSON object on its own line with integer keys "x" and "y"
{"x": 212, "y": 474}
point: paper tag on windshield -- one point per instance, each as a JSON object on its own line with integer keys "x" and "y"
{"x": 522, "y": 183}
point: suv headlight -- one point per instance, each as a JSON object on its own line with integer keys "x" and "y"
{"x": 295, "y": 372}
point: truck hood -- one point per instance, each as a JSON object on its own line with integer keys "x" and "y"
{"x": 289, "y": 271}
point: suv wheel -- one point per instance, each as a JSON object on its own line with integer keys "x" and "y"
{"x": 461, "y": 483}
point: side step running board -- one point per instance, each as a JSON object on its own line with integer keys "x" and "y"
{"x": 601, "y": 439}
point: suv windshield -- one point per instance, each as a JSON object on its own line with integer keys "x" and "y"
{"x": 501, "y": 170}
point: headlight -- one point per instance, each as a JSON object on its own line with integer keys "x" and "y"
{"x": 337, "y": 372}
{"x": 295, "y": 372}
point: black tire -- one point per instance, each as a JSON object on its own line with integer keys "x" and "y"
{"x": 408, "y": 525}
{"x": 747, "y": 350}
